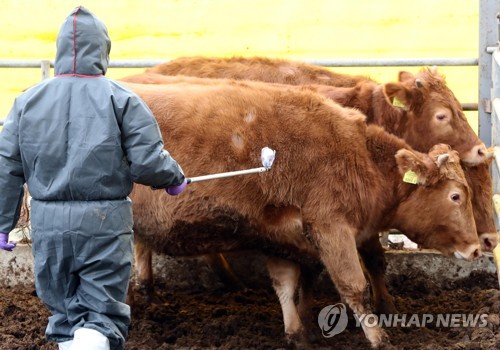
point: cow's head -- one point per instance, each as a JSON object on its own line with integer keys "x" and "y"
{"x": 437, "y": 212}
{"x": 479, "y": 179}
{"x": 434, "y": 115}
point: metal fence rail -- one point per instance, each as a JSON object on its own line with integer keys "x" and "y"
{"x": 368, "y": 62}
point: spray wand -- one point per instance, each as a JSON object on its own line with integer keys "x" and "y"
{"x": 266, "y": 156}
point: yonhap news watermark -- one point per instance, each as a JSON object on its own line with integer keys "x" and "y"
{"x": 333, "y": 320}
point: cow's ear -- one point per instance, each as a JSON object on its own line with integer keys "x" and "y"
{"x": 412, "y": 166}
{"x": 442, "y": 159}
{"x": 397, "y": 95}
{"x": 404, "y": 76}
{"x": 442, "y": 154}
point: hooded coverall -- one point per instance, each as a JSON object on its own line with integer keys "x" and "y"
{"x": 79, "y": 140}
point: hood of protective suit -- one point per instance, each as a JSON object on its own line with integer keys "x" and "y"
{"x": 83, "y": 45}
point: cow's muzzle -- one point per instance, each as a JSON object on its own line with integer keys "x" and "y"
{"x": 472, "y": 252}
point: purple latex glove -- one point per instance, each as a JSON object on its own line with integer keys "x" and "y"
{"x": 4, "y": 242}
{"x": 175, "y": 190}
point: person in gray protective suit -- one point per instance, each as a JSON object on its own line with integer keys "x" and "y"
{"x": 79, "y": 140}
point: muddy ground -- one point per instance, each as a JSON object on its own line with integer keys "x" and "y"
{"x": 187, "y": 318}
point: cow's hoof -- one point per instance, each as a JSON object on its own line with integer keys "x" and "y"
{"x": 377, "y": 337}
{"x": 297, "y": 341}
{"x": 384, "y": 342}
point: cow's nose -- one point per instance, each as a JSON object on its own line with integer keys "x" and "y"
{"x": 480, "y": 152}
{"x": 475, "y": 155}
{"x": 472, "y": 252}
{"x": 488, "y": 241}
{"x": 476, "y": 254}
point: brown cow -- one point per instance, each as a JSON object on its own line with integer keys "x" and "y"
{"x": 436, "y": 117}
{"x": 335, "y": 183}
{"x": 428, "y": 108}
{"x": 256, "y": 68}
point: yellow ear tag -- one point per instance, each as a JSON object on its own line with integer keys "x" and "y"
{"x": 410, "y": 177}
{"x": 397, "y": 103}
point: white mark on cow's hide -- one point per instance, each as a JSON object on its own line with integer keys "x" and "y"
{"x": 237, "y": 141}
{"x": 249, "y": 117}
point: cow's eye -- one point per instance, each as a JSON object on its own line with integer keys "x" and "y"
{"x": 455, "y": 197}
{"x": 441, "y": 117}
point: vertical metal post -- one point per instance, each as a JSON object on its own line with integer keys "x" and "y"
{"x": 488, "y": 37}
{"x": 45, "y": 65}
{"x": 494, "y": 99}
{"x": 495, "y": 133}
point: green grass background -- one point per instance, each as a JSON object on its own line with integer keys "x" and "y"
{"x": 293, "y": 29}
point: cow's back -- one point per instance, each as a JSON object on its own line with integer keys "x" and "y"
{"x": 256, "y": 68}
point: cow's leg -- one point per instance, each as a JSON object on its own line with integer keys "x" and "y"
{"x": 143, "y": 264}
{"x": 285, "y": 276}
{"x": 308, "y": 277}
{"x": 373, "y": 257}
{"x": 337, "y": 247}
{"x": 223, "y": 270}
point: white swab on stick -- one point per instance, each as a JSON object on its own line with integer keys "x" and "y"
{"x": 266, "y": 156}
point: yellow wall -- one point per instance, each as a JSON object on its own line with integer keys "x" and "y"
{"x": 295, "y": 29}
